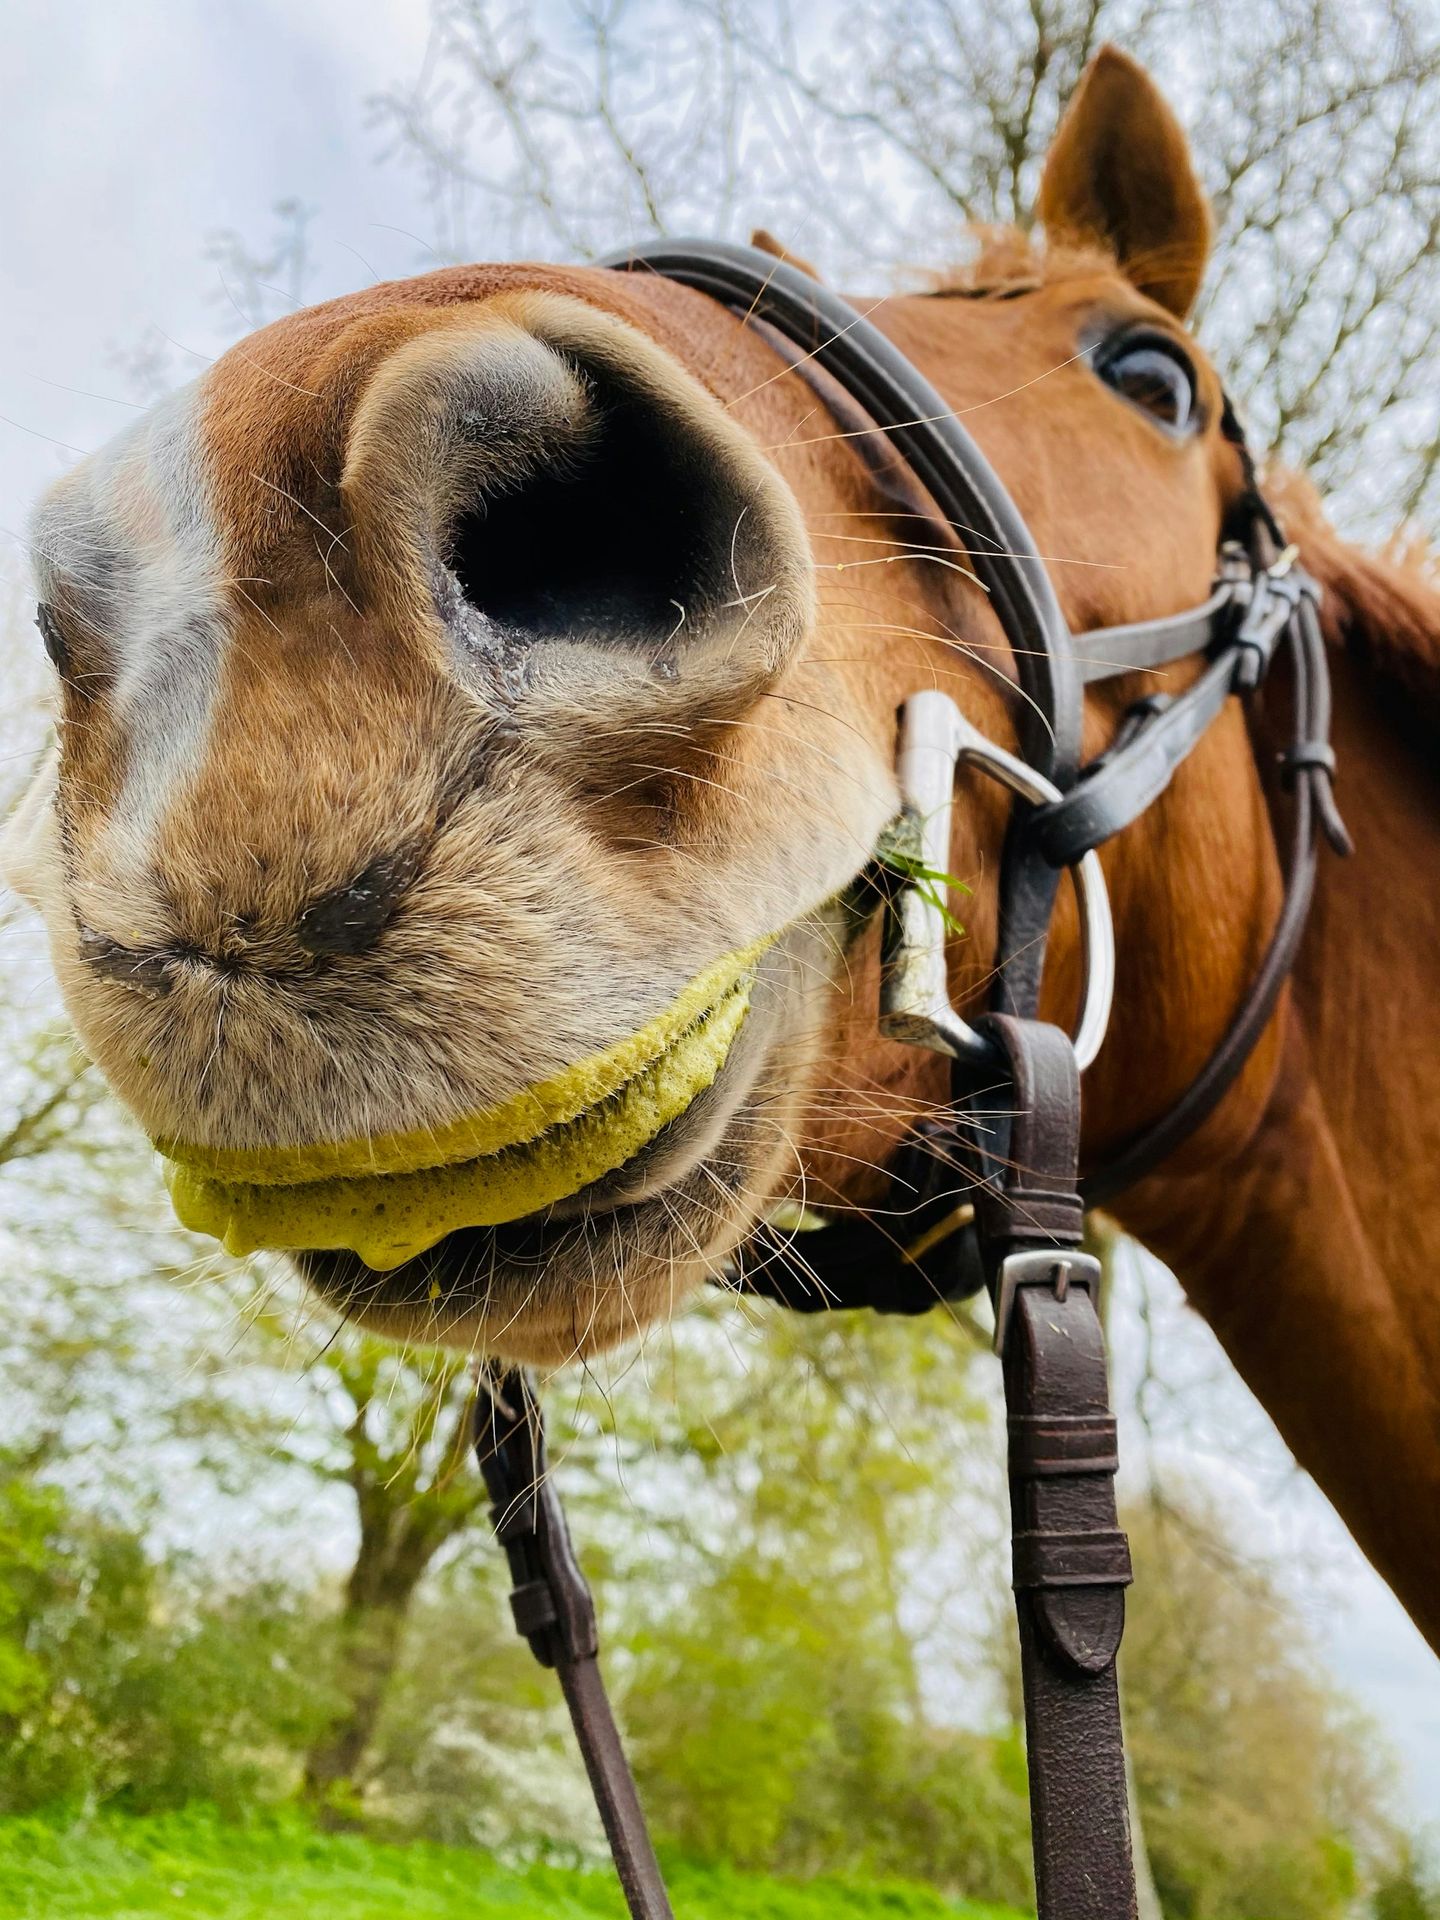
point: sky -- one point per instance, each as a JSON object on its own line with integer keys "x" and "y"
{"x": 128, "y": 136}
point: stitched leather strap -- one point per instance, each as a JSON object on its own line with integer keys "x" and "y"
{"x": 554, "y": 1611}
{"x": 1118, "y": 786}
{"x": 1149, "y": 645}
{"x": 1071, "y": 1561}
{"x": 1043, "y": 1445}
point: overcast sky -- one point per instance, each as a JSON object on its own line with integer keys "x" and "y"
{"x": 128, "y": 135}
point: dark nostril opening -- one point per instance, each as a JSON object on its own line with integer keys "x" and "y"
{"x": 353, "y": 917}
{"x": 611, "y": 542}
{"x": 147, "y": 970}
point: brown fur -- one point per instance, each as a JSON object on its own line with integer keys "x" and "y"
{"x": 568, "y": 888}
{"x": 767, "y": 243}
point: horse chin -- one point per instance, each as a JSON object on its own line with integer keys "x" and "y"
{"x": 599, "y": 1267}
{"x": 540, "y": 1290}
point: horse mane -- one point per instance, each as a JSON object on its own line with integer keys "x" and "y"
{"x": 1381, "y": 605}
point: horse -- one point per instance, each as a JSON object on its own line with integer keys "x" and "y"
{"x": 477, "y": 701}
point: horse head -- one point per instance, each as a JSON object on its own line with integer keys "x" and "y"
{"x": 479, "y": 692}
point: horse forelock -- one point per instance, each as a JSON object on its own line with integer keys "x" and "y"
{"x": 1004, "y": 260}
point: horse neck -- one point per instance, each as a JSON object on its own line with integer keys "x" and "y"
{"x": 1313, "y": 1250}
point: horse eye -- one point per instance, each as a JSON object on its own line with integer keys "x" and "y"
{"x": 1158, "y": 378}
{"x": 54, "y": 640}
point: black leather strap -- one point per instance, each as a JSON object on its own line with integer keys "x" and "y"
{"x": 1253, "y": 608}
{"x": 1309, "y": 772}
{"x": 905, "y": 1257}
{"x": 1103, "y": 652}
{"x": 1118, "y": 786}
{"x": 858, "y": 1261}
{"x": 1071, "y": 1561}
{"x": 554, "y": 1611}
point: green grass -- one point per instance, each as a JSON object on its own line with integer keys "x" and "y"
{"x": 194, "y": 1864}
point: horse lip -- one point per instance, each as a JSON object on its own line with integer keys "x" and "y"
{"x": 519, "y": 1119}
{"x": 389, "y": 1219}
{"x": 493, "y": 1271}
{"x": 672, "y": 1153}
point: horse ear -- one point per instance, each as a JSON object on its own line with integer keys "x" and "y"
{"x": 767, "y": 243}
{"x": 1119, "y": 175}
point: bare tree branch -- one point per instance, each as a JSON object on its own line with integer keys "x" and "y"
{"x": 875, "y": 137}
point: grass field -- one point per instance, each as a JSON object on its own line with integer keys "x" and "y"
{"x": 111, "y": 1868}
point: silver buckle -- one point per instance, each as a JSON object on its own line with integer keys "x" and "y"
{"x": 935, "y": 740}
{"x": 1059, "y": 1269}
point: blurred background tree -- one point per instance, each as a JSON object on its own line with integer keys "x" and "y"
{"x": 870, "y": 137}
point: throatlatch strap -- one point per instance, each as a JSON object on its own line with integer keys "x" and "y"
{"x": 1071, "y": 1561}
{"x": 555, "y": 1612}
{"x": 1308, "y": 768}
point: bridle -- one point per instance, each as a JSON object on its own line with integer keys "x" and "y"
{"x": 1021, "y": 1237}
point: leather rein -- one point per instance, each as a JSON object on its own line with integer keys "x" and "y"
{"x": 994, "y": 1203}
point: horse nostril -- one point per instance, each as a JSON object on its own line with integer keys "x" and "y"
{"x": 623, "y": 536}
{"x": 353, "y": 917}
{"x": 146, "y": 970}
{"x": 600, "y": 539}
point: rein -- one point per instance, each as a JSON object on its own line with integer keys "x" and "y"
{"x": 1021, "y": 1238}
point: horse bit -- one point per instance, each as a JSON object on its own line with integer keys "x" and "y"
{"x": 1021, "y": 1239}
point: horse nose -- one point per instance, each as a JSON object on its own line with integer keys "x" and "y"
{"x": 606, "y": 549}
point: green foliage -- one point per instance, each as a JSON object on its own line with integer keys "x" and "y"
{"x": 219, "y": 1702}
{"x": 1407, "y": 1891}
{"x": 117, "y": 1685}
{"x": 1237, "y": 1741}
{"x": 814, "y": 1497}
{"x": 797, "y": 1746}
{"x": 29, "y": 1515}
{"x": 762, "y": 1512}
{"x": 474, "y": 1745}
{"x": 901, "y": 852}
{"x": 195, "y": 1864}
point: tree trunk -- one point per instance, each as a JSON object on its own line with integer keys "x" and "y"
{"x": 370, "y": 1634}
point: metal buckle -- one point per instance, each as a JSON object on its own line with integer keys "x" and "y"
{"x": 1058, "y": 1268}
{"x": 935, "y": 741}
{"x": 1276, "y": 592}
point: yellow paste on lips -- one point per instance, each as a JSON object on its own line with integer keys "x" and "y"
{"x": 391, "y": 1198}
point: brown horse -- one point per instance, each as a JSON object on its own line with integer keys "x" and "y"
{"x": 479, "y": 691}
